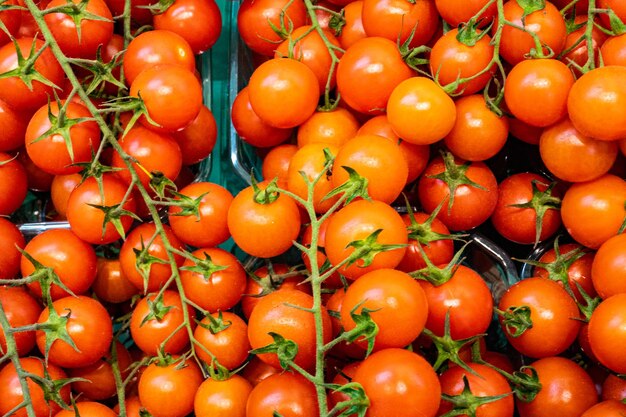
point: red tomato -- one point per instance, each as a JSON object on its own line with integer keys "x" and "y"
{"x": 13, "y": 184}
{"x": 614, "y": 51}
{"x": 12, "y": 19}
{"x": 12, "y": 127}
{"x": 613, "y": 388}
{"x": 60, "y": 189}
{"x": 456, "y": 12}
{"x": 334, "y": 127}
{"x": 286, "y": 394}
{"x": 611, "y": 408}
{"x": 222, "y": 398}
{"x": 11, "y": 240}
{"x": 87, "y": 409}
{"x": 111, "y": 285}
{"x": 606, "y": 332}
{"x": 21, "y": 309}
{"x": 140, "y": 15}
{"x": 198, "y": 139}
{"x": 609, "y": 264}
{"x": 228, "y": 346}
{"x": 353, "y": 29}
{"x": 276, "y": 163}
{"x": 617, "y": 6}
{"x": 580, "y": 52}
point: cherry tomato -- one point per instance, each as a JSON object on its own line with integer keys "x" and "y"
{"x": 613, "y": 388}
{"x": 21, "y": 309}
{"x": 228, "y": 346}
{"x": 60, "y": 189}
{"x": 13, "y": 127}
{"x": 198, "y": 139}
{"x": 610, "y": 408}
{"x": 11, "y": 240}
{"x": 353, "y": 29}
{"x": 456, "y": 12}
{"x": 609, "y": 263}
{"x": 111, "y": 285}
{"x": 286, "y": 394}
{"x": 222, "y": 398}
{"x": 88, "y": 409}
{"x": 13, "y": 184}
{"x": 276, "y": 163}
{"x": 334, "y": 127}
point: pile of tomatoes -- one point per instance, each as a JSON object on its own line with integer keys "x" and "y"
{"x": 391, "y": 132}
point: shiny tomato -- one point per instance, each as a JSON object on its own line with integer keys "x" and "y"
{"x": 276, "y": 163}
{"x": 286, "y": 394}
{"x": 228, "y": 346}
{"x": 111, "y": 285}
{"x": 617, "y": 6}
{"x": 613, "y": 388}
{"x": 60, "y": 189}
{"x": 87, "y": 409}
{"x": 608, "y": 265}
{"x": 456, "y": 12}
{"x": 13, "y": 184}
{"x": 21, "y": 309}
{"x": 614, "y": 50}
{"x": 12, "y": 19}
{"x": 198, "y": 139}
{"x": 353, "y": 29}
{"x": 140, "y": 15}
{"x": 13, "y": 125}
{"x": 580, "y": 52}
{"x": 256, "y": 371}
{"x": 334, "y": 127}
{"x": 610, "y": 408}
{"x": 11, "y": 241}
{"x": 606, "y": 332}
{"x": 222, "y": 398}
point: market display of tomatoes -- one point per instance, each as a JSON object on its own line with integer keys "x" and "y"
{"x": 437, "y": 227}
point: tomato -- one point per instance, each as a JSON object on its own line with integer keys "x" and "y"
{"x": 400, "y": 382}
{"x": 87, "y": 409}
{"x": 286, "y": 394}
{"x": 597, "y": 102}
{"x": 471, "y": 206}
{"x": 111, "y": 285}
{"x": 357, "y": 221}
{"x": 295, "y": 324}
{"x": 72, "y": 260}
{"x": 229, "y": 346}
{"x": 276, "y": 163}
{"x": 176, "y": 382}
{"x": 484, "y": 382}
{"x": 198, "y": 21}
{"x": 580, "y": 53}
{"x": 616, "y": 6}
{"x": 222, "y": 398}
{"x": 573, "y": 156}
{"x": 609, "y": 263}
{"x": 613, "y": 51}
{"x": 452, "y": 60}
{"x": 456, "y": 12}
{"x": 140, "y": 15}
{"x": 13, "y": 394}
{"x": 565, "y": 387}
{"x": 255, "y": 19}
{"x": 606, "y": 332}
{"x": 334, "y": 127}
{"x": 149, "y": 331}
{"x": 99, "y": 383}
{"x": 156, "y": 273}
{"x": 593, "y": 211}
{"x": 61, "y": 187}
{"x": 13, "y": 127}
{"x": 553, "y": 313}
{"x": 13, "y": 184}
{"x": 519, "y": 224}
{"x": 396, "y": 20}
{"x": 478, "y": 133}
{"x": 263, "y": 229}
{"x": 343, "y": 377}
{"x": 611, "y": 408}
{"x": 373, "y": 62}
{"x": 613, "y": 388}
{"x": 547, "y": 24}
{"x": 256, "y": 371}
{"x": 12, "y": 19}
{"x": 209, "y": 227}
{"x": 88, "y": 325}
{"x": 87, "y": 220}
{"x": 465, "y": 299}
{"x": 397, "y": 303}
{"x": 420, "y": 112}
{"x": 11, "y": 240}
{"x": 198, "y": 139}
{"x": 95, "y": 29}
{"x": 353, "y": 29}
{"x": 133, "y": 406}
{"x": 377, "y": 159}
{"x": 13, "y": 91}
{"x": 283, "y": 92}
{"x": 37, "y": 179}
{"x": 21, "y": 309}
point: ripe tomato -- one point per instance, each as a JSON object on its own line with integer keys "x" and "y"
{"x": 478, "y": 133}
{"x": 88, "y": 325}
{"x": 610, "y": 408}
{"x": 87, "y": 220}
{"x": 553, "y": 313}
{"x": 573, "y": 156}
{"x": 614, "y": 51}
{"x": 13, "y": 127}
{"x": 230, "y": 346}
{"x": 263, "y": 229}
{"x": 176, "y": 382}
{"x": 547, "y": 24}
{"x": 377, "y": 159}
{"x": 13, "y": 91}
{"x": 111, "y": 285}
{"x": 617, "y": 6}
{"x": 484, "y": 382}
{"x": 597, "y": 103}
{"x": 222, "y": 398}
{"x": 283, "y": 92}
{"x": 72, "y": 260}
{"x": 256, "y": 371}
{"x": 11, "y": 240}
{"x": 355, "y": 222}
{"x": 199, "y": 22}
{"x": 609, "y": 264}
{"x": 140, "y": 15}
{"x": 87, "y": 409}
{"x": 373, "y": 62}
{"x": 197, "y": 140}
{"x": 593, "y": 211}
{"x": 565, "y": 387}
{"x": 276, "y": 163}
{"x": 397, "y": 303}
{"x": 456, "y": 12}
{"x": 21, "y": 309}
{"x": 400, "y": 382}
{"x": 60, "y": 189}
{"x": 13, "y": 184}
{"x": 38, "y": 180}
{"x": 286, "y": 394}
{"x": 295, "y": 324}
{"x": 606, "y": 332}
{"x": 613, "y": 388}
{"x": 438, "y": 251}
{"x": 518, "y": 224}
{"x": 334, "y": 127}
{"x": 13, "y": 394}
{"x": 12, "y": 19}
{"x": 472, "y": 206}
{"x": 94, "y": 31}
{"x": 452, "y": 60}
{"x": 465, "y": 299}
{"x": 580, "y": 53}
{"x": 353, "y": 29}
{"x": 151, "y": 326}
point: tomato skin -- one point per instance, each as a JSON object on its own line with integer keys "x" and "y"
{"x": 554, "y": 315}
{"x": 614, "y": 51}
{"x": 276, "y": 163}
{"x": 580, "y": 53}
{"x": 518, "y": 224}
{"x": 548, "y": 24}
{"x": 609, "y": 263}
{"x": 606, "y": 332}
{"x": 60, "y": 189}
{"x": 295, "y": 324}
{"x": 12, "y": 389}
{"x": 374, "y": 62}
{"x": 198, "y": 139}
{"x": 566, "y": 387}
{"x": 21, "y": 309}
{"x": 88, "y": 325}
{"x": 150, "y": 335}
{"x": 256, "y": 371}
{"x": 286, "y": 393}
{"x": 401, "y": 382}
{"x": 613, "y": 388}
{"x": 263, "y": 230}
{"x": 438, "y": 251}
{"x": 465, "y": 298}
{"x": 178, "y": 385}
{"x": 13, "y": 91}
{"x": 357, "y": 221}
{"x": 226, "y": 398}
{"x": 486, "y": 382}
{"x": 420, "y": 112}
{"x": 73, "y": 260}
{"x": 111, "y": 285}
{"x": 593, "y": 211}
{"x": 334, "y": 127}
{"x": 611, "y": 408}
{"x": 353, "y": 30}
{"x": 12, "y": 127}
{"x": 13, "y": 184}
{"x": 229, "y": 346}
{"x": 93, "y": 33}
{"x": 198, "y": 21}
{"x": 88, "y": 409}
{"x": 10, "y": 240}
{"x": 456, "y": 12}
{"x": 615, "y": 5}
{"x": 12, "y": 19}
{"x": 399, "y": 307}
{"x": 87, "y": 221}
